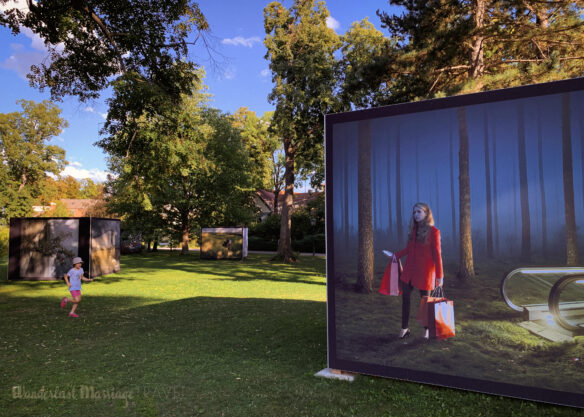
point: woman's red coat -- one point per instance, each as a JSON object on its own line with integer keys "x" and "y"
{"x": 424, "y": 261}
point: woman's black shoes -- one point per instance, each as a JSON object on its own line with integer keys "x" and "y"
{"x": 404, "y": 333}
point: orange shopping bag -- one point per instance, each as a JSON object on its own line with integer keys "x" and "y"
{"x": 441, "y": 319}
{"x": 390, "y": 284}
{"x": 436, "y": 295}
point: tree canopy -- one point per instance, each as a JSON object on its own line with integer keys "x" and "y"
{"x": 92, "y": 42}
{"x": 188, "y": 169}
{"x": 27, "y": 157}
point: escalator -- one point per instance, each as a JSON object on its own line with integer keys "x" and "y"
{"x": 550, "y": 299}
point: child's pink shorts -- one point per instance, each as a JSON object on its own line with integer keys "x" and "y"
{"x": 75, "y": 293}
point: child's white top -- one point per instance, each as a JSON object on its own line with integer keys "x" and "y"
{"x": 75, "y": 278}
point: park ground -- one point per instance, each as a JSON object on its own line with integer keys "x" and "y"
{"x": 173, "y": 335}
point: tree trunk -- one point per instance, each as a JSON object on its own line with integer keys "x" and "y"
{"x": 347, "y": 224}
{"x": 365, "y": 251}
{"x": 155, "y": 246}
{"x": 417, "y": 172}
{"x": 285, "y": 242}
{"x": 389, "y": 196}
{"x": 276, "y": 192}
{"x": 571, "y": 237}
{"x": 477, "y": 64}
{"x": 452, "y": 195}
{"x": 466, "y": 267}
{"x": 398, "y": 202}
{"x": 495, "y": 195}
{"x": 185, "y": 239}
{"x": 523, "y": 188}
{"x": 488, "y": 186}
{"x": 542, "y": 185}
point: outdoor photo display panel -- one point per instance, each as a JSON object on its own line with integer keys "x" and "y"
{"x": 224, "y": 243}
{"x": 512, "y": 161}
{"x": 43, "y": 248}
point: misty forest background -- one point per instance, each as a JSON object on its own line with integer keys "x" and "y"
{"x": 516, "y": 173}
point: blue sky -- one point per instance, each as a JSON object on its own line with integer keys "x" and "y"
{"x": 240, "y": 76}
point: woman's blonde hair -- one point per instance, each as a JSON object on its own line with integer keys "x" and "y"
{"x": 422, "y": 229}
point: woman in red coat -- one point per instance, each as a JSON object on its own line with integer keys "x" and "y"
{"x": 423, "y": 266}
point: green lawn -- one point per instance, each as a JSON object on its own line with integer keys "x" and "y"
{"x": 173, "y": 335}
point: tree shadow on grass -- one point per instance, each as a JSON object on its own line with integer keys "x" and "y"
{"x": 222, "y": 355}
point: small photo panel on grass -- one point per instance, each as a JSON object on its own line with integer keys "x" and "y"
{"x": 482, "y": 194}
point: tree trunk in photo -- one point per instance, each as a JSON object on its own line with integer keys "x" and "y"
{"x": 347, "y": 224}
{"x": 417, "y": 172}
{"x": 398, "y": 202}
{"x": 542, "y": 185}
{"x": 389, "y": 196}
{"x": 466, "y": 267}
{"x": 155, "y": 246}
{"x": 452, "y": 191}
{"x": 569, "y": 209}
{"x": 488, "y": 187}
{"x": 495, "y": 195}
{"x": 365, "y": 251}
{"x": 285, "y": 243}
{"x": 374, "y": 190}
{"x": 582, "y": 151}
{"x": 523, "y": 187}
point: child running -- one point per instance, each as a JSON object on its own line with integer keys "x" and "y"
{"x": 73, "y": 279}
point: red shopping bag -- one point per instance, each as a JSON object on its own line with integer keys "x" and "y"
{"x": 441, "y": 319}
{"x": 436, "y": 295}
{"x": 390, "y": 284}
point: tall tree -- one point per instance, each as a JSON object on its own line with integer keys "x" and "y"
{"x": 189, "y": 166}
{"x": 523, "y": 186}
{"x": 569, "y": 209}
{"x": 365, "y": 250}
{"x": 300, "y": 51}
{"x": 447, "y": 47}
{"x": 26, "y": 157}
{"x": 466, "y": 267}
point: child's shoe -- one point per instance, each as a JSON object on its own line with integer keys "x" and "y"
{"x": 73, "y": 315}
{"x": 63, "y": 302}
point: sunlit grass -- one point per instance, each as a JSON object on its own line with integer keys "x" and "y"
{"x": 181, "y": 337}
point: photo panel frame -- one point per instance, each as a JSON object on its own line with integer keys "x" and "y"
{"x": 503, "y": 175}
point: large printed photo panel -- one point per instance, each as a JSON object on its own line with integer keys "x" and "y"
{"x": 483, "y": 196}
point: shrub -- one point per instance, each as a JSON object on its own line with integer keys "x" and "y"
{"x": 4, "y": 236}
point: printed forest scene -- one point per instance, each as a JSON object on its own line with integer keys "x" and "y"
{"x": 47, "y": 247}
{"x": 218, "y": 245}
{"x": 505, "y": 184}
{"x": 105, "y": 246}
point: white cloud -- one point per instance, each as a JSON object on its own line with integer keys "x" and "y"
{"x": 264, "y": 73}
{"x": 90, "y": 109}
{"x": 20, "y": 61}
{"x": 230, "y": 73}
{"x": 76, "y": 170}
{"x": 238, "y": 40}
{"x": 14, "y": 4}
{"x": 332, "y": 23}
{"x": 36, "y": 41}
